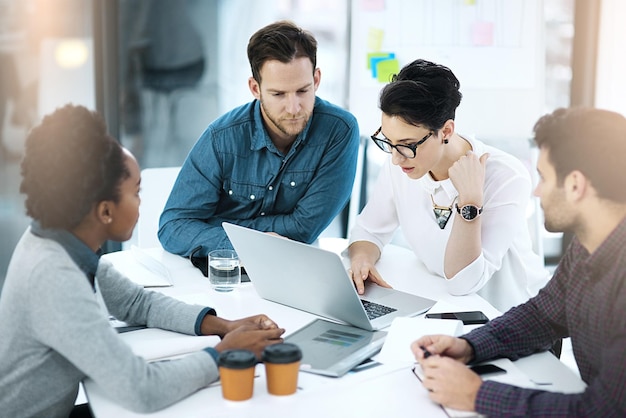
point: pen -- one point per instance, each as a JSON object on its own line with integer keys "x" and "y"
{"x": 426, "y": 352}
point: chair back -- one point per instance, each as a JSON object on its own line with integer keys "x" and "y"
{"x": 156, "y": 185}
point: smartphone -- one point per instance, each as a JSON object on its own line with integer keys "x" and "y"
{"x": 468, "y": 318}
{"x": 483, "y": 369}
{"x": 244, "y": 275}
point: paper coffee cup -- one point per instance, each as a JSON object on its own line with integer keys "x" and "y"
{"x": 282, "y": 365}
{"x": 237, "y": 374}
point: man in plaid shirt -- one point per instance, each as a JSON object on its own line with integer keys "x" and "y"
{"x": 582, "y": 171}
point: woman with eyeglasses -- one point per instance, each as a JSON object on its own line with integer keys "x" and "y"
{"x": 460, "y": 203}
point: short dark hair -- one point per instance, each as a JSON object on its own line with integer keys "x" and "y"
{"x": 422, "y": 93}
{"x": 70, "y": 164}
{"x": 592, "y": 141}
{"x": 282, "y": 41}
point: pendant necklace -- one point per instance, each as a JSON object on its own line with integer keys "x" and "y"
{"x": 442, "y": 213}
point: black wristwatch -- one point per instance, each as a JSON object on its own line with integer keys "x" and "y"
{"x": 469, "y": 212}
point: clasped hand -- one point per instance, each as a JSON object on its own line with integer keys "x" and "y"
{"x": 253, "y": 333}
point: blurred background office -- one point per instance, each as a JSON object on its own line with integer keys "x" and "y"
{"x": 161, "y": 70}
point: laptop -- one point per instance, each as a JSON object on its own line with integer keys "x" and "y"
{"x": 314, "y": 280}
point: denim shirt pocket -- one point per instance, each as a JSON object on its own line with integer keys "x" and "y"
{"x": 294, "y": 185}
{"x": 241, "y": 199}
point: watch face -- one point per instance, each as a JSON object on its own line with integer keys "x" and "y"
{"x": 469, "y": 212}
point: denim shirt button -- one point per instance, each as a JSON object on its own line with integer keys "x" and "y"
{"x": 271, "y": 188}
{"x": 292, "y": 184}
{"x": 252, "y": 197}
{"x": 262, "y": 213}
{"x": 230, "y": 192}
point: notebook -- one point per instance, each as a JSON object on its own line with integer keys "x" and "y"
{"x": 314, "y": 280}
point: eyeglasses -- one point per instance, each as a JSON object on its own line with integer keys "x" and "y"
{"x": 407, "y": 151}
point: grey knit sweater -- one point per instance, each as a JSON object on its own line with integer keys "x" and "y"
{"x": 54, "y": 333}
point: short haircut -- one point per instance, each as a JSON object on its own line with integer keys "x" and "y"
{"x": 422, "y": 93}
{"x": 281, "y": 41}
{"x": 70, "y": 164}
{"x": 592, "y": 141}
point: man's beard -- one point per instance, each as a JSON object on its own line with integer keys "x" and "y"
{"x": 294, "y": 131}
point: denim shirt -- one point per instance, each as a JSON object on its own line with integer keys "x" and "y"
{"x": 234, "y": 173}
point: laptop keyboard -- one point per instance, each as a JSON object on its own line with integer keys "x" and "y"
{"x": 375, "y": 310}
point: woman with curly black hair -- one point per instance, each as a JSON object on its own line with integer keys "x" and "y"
{"x": 82, "y": 189}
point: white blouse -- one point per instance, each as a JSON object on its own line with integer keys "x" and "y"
{"x": 507, "y": 272}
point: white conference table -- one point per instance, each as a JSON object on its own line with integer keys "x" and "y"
{"x": 389, "y": 390}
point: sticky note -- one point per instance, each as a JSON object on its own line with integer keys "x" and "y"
{"x": 373, "y": 5}
{"x": 482, "y": 33}
{"x": 375, "y": 39}
{"x": 385, "y": 69}
{"x": 374, "y": 57}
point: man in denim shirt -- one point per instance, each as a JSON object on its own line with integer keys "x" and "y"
{"x": 283, "y": 163}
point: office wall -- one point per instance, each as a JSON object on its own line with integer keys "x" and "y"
{"x": 239, "y": 19}
{"x": 495, "y": 48}
{"x": 611, "y": 64}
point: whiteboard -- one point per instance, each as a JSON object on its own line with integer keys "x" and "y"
{"x": 494, "y": 47}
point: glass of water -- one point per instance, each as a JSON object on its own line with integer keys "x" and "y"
{"x": 224, "y": 270}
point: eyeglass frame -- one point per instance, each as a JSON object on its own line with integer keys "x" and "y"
{"x": 412, "y": 147}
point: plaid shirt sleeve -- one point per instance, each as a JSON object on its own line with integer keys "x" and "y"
{"x": 583, "y": 287}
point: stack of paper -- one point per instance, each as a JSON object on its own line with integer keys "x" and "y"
{"x": 140, "y": 267}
